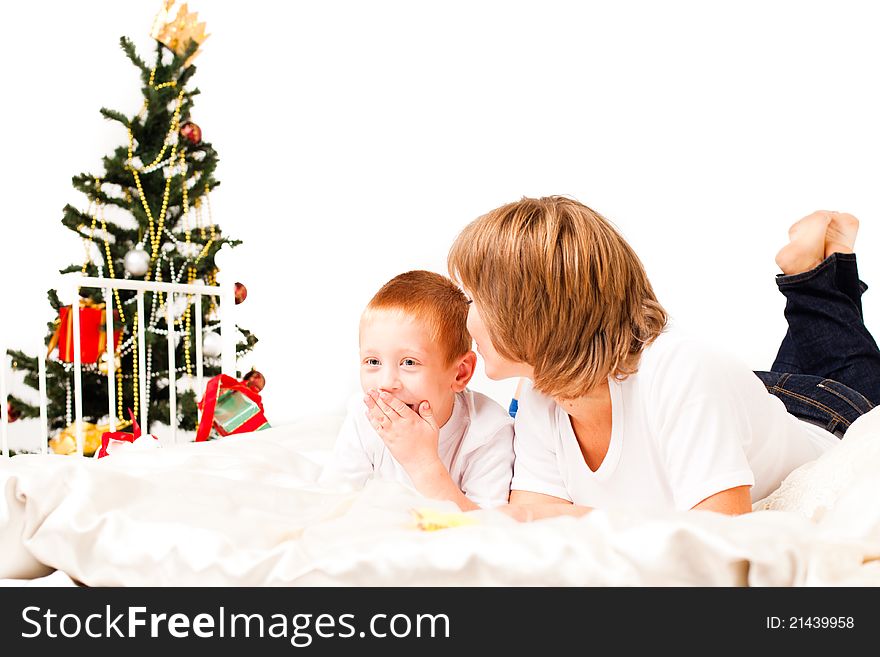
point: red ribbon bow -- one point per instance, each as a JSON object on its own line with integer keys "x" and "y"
{"x": 209, "y": 403}
{"x": 107, "y": 436}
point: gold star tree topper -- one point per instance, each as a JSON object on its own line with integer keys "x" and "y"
{"x": 176, "y": 33}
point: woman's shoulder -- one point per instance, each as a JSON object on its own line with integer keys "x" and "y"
{"x": 679, "y": 363}
{"x": 678, "y": 349}
{"x": 534, "y": 397}
{"x": 536, "y": 410}
{"x": 675, "y": 337}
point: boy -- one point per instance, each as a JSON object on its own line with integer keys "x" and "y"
{"x": 416, "y": 362}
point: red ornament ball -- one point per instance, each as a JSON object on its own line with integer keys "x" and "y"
{"x": 191, "y": 132}
{"x": 12, "y": 413}
{"x": 240, "y": 293}
{"x": 255, "y": 381}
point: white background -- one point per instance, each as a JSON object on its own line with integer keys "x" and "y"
{"x": 357, "y": 138}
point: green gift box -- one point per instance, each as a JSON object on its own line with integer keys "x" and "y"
{"x": 230, "y": 406}
{"x": 233, "y": 410}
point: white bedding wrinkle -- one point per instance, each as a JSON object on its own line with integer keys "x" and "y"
{"x": 246, "y": 510}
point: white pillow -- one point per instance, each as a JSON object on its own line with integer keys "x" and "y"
{"x": 841, "y": 486}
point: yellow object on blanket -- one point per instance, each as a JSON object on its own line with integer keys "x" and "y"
{"x": 65, "y": 442}
{"x": 429, "y": 520}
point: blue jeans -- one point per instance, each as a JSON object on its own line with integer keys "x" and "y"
{"x": 827, "y": 371}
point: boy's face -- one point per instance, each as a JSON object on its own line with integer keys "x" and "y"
{"x": 398, "y": 356}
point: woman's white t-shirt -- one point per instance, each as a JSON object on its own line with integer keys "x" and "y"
{"x": 691, "y": 422}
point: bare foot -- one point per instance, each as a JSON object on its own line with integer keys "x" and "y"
{"x": 807, "y": 246}
{"x": 841, "y": 234}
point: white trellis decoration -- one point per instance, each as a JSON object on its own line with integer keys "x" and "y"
{"x": 224, "y": 291}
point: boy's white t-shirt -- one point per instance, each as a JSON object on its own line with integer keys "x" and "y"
{"x": 691, "y": 422}
{"x": 475, "y": 445}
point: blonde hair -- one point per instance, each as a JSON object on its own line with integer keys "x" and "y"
{"x": 433, "y": 300}
{"x": 559, "y": 289}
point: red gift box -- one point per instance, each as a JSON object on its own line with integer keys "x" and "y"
{"x": 240, "y": 403}
{"x": 93, "y": 332}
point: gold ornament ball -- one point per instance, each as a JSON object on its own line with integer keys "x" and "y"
{"x": 102, "y": 364}
{"x": 65, "y": 442}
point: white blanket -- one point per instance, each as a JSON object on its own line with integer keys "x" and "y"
{"x": 245, "y": 510}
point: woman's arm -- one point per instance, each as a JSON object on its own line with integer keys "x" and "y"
{"x": 703, "y": 428}
{"x": 733, "y": 501}
{"x": 526, "y": 506}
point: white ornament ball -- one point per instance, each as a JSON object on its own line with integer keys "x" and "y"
{"x": 137, "y": 262}
{"x": 212, "y": 345}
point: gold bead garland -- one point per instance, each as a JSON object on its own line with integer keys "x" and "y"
{"x": 212, "y": 277}
{"x": 187, "y": 331}
{"x": 112, "y": 272}
{"x": 100, "y": 208}
{"x": 199, "y": 223}
{"x": 191, "y": 272}
{"x": 156, "y": 227}
{"x": 119, "y": 415}
{"x": 134, "y": 362}
{"x": 156, "y": 230}
{"x": 99, "y": 211}
{"x": 173, "y": 128}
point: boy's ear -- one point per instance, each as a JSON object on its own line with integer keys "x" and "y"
{"x": 467, "y": 364}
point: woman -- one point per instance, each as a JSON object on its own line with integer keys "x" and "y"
{"x": 622, "y": 409}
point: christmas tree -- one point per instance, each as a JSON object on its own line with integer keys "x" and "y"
{"x": 148, "y": 218}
